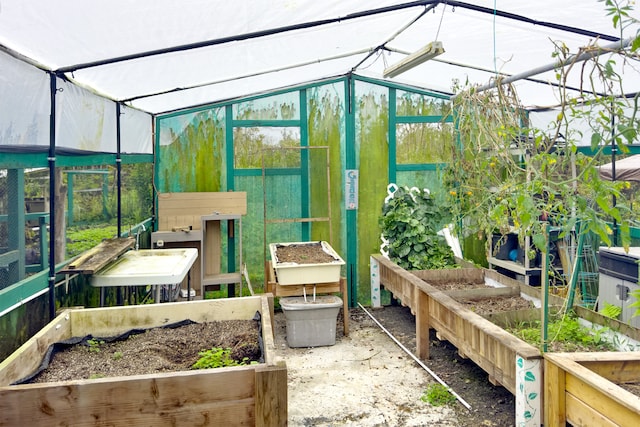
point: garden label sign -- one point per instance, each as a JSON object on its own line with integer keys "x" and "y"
{"x": 351, "y": 190}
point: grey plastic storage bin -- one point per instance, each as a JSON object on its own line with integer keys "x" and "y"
{"x": 311, "y": 323}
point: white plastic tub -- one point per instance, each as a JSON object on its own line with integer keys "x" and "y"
{"x": 311, "y": 323}
{"x": 293, "y": 273}
{"x": 147, "y": 267}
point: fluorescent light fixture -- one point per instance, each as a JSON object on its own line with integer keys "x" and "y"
{"x": 428, "y": 52}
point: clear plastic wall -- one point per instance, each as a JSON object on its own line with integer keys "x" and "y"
{"x": 84, "y": 120}
{"x": 24, "y": 104}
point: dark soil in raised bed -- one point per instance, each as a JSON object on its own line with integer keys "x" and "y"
{"x": 457, "y": 286}
{"x": 154, "y": 351}
{"x": 496, "y": 304}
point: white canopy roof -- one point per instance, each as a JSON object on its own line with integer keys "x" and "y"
{"x": 164, "y": 55}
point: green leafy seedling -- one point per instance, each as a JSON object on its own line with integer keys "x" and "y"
{"x": 94, "y": 345}
{"x": 610, "y": 310}
{"x": 218, "y": 357}
{"x": 438, "y": 395}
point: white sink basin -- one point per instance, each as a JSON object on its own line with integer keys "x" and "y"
{"x": 147, "y": 267}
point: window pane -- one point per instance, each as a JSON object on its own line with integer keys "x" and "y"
{"x": 423, "y": 143}
{"x": 277, "y": 144}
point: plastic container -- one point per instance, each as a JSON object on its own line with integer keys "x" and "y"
{"x": 291, "y": 273}
{"x": 616, "y": 262}
{"x": 311, "y": 323}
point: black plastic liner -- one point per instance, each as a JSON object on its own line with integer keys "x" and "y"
{"x": 63, "y": 345}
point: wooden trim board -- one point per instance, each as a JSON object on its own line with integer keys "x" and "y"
{"x": 184, "y": 210}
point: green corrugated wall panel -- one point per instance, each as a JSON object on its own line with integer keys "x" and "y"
{"x": 191, "y": 153}
{"x": 326, "y": 128}
{"x": 421, "y": 179}
{"x": 372, "y": 152}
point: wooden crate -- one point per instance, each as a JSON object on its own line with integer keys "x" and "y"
{"x": 243, "y": 395}
{"x": 582, "y": 389}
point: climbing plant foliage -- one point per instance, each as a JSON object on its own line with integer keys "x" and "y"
{"x": 508, "y": 175}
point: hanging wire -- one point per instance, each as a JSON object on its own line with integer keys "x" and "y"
{"x": 495, "y": 8}
{"x": 441, "y": 16}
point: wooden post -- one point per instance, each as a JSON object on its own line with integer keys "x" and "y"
{"x": 345, "y": 305}
{"x": 271, "y": 396}
{"x": 555, "y": 413}
{"x": 422, "y": 326}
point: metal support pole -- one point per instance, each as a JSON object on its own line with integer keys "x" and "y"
{"x": 119, "y": 299}
{"x": 545, "y": 290}
{"x": 614, "y": 149}
{"x": 558, "y": 64}
{"x": 118, "y": 170}
{"x": 52, "y": 198}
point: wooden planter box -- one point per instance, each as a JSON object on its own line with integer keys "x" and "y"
{"x": 243, "y": 395}
{"x": 577, "y": 387}
{"x": 581, "y": 388}
{"x": 508, "y": 360}
{"x": 488, "y": 345}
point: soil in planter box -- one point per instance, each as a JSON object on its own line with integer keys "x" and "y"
{"x": 155, "y": 351}
{"x": 309, "y": 253}
{"x": 486, "y": 306}
{"x": 457, "y": 286}
{"x": 632, "y": 388}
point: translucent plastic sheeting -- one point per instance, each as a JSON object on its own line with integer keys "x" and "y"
{"x": 233, "y": 49}
{"x": 581, "y": 130}
{"x": 87, "y": 122}
{"x": 73, "y": 32}
{"x": 247, "y": 86}
{"x": 24, "y": 104}
{"x": 135, "y": 131}
{"x": 84, "y": 121}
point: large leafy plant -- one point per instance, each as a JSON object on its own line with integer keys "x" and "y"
{"x": 410, "y": 221}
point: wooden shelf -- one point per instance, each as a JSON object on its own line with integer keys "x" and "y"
{"x": 221, "y": 279}
{"x": 194, "y": 219}
{"x": 516, "y": 267}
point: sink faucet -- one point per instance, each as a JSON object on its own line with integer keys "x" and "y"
{"x": 141, "y": 227}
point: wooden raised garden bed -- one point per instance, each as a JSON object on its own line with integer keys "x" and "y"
{"x": 584, "y": 389}
{"x": 241, "y": 395}
{"x": 488, "y": 345}
{"x": 508, "y": 360}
